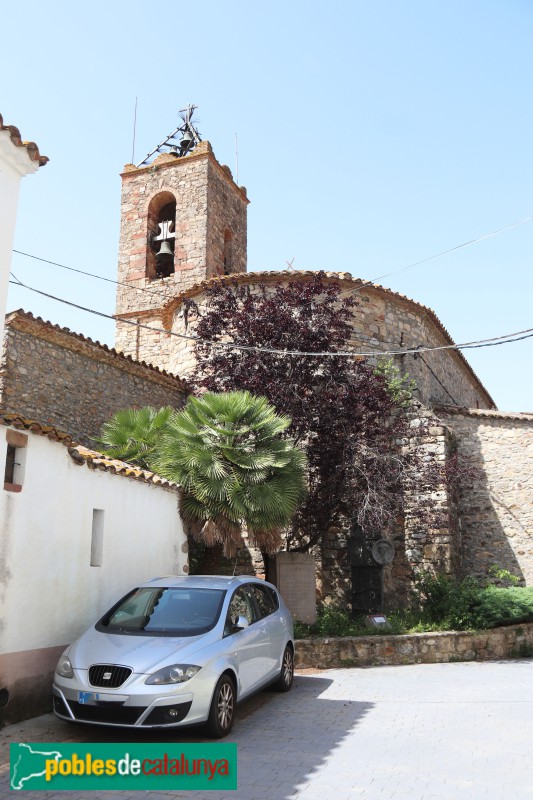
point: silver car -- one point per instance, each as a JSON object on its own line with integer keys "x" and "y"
{"x": 178, "y": 651}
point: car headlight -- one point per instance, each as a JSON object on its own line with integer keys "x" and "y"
{"x": 64, "y": 667}
{"x": 176, "y": 673}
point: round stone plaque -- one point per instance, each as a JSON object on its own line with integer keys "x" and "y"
{"x": 383, "y": 552}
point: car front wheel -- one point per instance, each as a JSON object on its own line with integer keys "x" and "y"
{"x": 286, "y": 676}
{"x": 222, "y": 711}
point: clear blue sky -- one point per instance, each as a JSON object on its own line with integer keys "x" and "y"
{"x": 371, "y": 135}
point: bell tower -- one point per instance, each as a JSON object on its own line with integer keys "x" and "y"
{"x": 183, "y": 221}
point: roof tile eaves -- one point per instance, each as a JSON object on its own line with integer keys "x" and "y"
{"x": 273, "y": 275}
{"x": 96, "y": 460}
{"x": 22, "y": 423}
{"x": 487, "y": 413}
{"x": 31, "y": 148}
{"x": 83, "y": 455}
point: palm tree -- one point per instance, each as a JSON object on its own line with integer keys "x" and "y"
{"x": 227, "y": 453}
{"x": 133, "y": 434}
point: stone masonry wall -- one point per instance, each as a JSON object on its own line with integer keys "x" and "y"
{"x": 422, "y": 544}
{"x": 386, "y": 322}
{"x": 54, "y": 376}
{"x": 515, "y": 641}
{"x": 382, "y": 322}
{"x": 496, "y": 501}
{"x": 147, "y": 340}
{"x": 226, "y": 211}
{"x": 431, "y": 541}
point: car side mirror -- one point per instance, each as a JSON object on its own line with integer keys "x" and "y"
{"x": 241, "y": 623}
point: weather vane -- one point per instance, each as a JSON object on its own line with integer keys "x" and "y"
{"x": 187, "y": 133}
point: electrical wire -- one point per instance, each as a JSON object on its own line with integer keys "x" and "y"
{"x": 141, "y": 289}
{"x": 452, "y": 398}
{"x": 496, "y": 340}
{"x": 166, "y": 296}
{"x": 450, "y": 250}
{"x": 355, "y": 291}
{"x": 93, "y": 275}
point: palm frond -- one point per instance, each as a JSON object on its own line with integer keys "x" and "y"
{"x": 227, "y": 453}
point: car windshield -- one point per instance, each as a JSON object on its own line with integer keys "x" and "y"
{"x": 165, "y": 612}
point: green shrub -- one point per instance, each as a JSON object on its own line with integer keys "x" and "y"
{"x": 503, "y": 576}
{"x": 442, "y": 603}
{"x": 470, "y": 603}
{"x": 335, "y": 620}
{"x": 332, "y": 620}
{"x": 504, "y": 606}
{"x": 433, "y": 594}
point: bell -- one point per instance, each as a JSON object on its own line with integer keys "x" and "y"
{"x": 165, "y": 251}
{"x": 186, "y": 141}
{"x": 164, "y": 260}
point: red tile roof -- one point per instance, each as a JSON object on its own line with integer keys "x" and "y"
{"x": 95, "y": 460}
{"x": 31, "y": 147}
{"x": 82, "y": 455}
{"x": 517, "y": 416}
{"x": 22, "y": 423}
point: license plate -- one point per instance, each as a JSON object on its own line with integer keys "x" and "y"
{"x": 88, "y": 698}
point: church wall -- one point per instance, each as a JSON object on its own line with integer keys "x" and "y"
{"x": 226, "y": 211}
{"x": 386, "y": 323}
{"x": 496, "y": 500}
{"x": 146, "y": 340}
{"x": 60, "y": 378}
{"x": 380, "y": 323}
{"x": 425, "y": 537}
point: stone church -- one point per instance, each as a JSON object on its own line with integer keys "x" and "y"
{"x": 183, "y": 228}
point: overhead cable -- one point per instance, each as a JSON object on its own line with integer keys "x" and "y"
{"x": 356, "y": 290}
{"x": 497, "y": 340}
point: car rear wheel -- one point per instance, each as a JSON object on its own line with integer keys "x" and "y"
{"x": 286, "y": 676}
{"x": 222, "y": 711}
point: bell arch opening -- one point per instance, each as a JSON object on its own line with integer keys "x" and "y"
{"x": 161, "y": 236}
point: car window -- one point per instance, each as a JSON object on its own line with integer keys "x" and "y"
{"x": 267, "y": 599}
{"x": 241, "y": 605}
{"x": 165, "y": 612}
{"x": 135, "y": 607}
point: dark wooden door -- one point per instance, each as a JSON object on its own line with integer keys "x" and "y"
{"x": 367, "y": 589}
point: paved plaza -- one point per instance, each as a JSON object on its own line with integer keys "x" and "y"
{"x": 461, "y": 731}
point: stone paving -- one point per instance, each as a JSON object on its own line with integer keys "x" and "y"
{"x": 459, "y": 731}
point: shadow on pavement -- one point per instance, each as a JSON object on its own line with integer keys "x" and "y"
{"x": 282, "y": 739}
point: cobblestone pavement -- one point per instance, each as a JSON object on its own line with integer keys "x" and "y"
{"x": 458, "y": 731}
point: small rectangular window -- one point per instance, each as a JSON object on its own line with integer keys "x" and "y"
{"x": 15, "y": 460}
{"x": 10, "y": 464}
{"x": 97, "y": 538}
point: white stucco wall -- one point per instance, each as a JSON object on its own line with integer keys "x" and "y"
{"x": 14, "y": 164}
{"x": 49, "y": 592}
